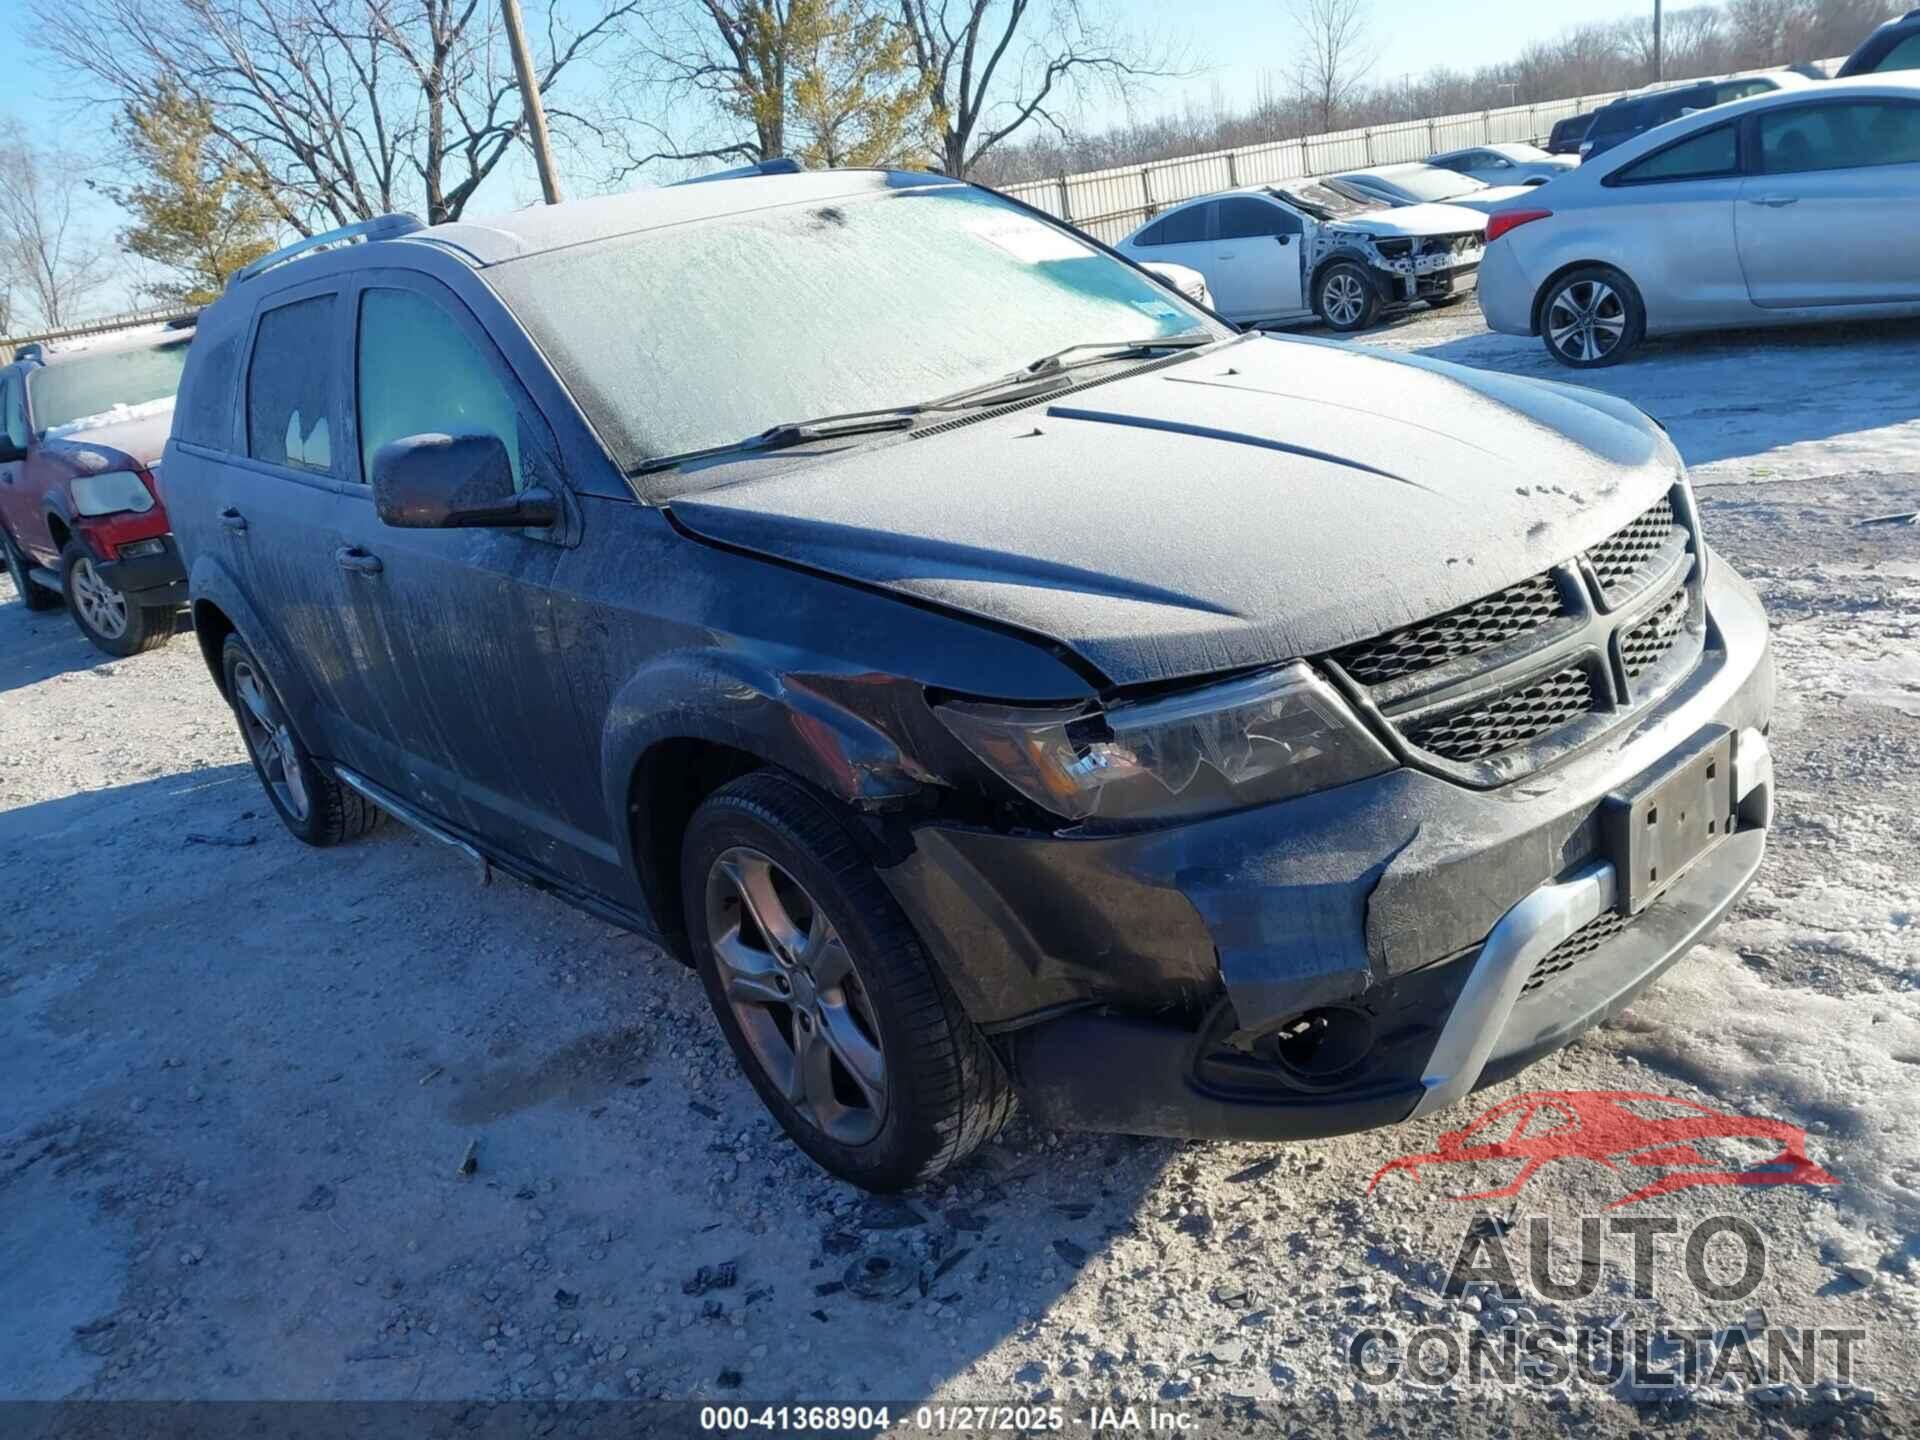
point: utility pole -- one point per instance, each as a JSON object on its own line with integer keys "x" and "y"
{"x": 1659, "y": 60}
{"x": 530, "y": 99}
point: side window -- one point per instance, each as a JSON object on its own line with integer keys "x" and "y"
{"x": 13, "y": 392}
{"x": 1838, "y": 137}
{"x": 419, "y": 373}
{"x": 1453, "y": 162}
{"x": 1154, "y": 234}
{"x": 290, "y": 387}
{"x": 1245, "y": 219}
{"x": 1739, "y": 90}
{"x": 1711, "y": 152}
{"x": 1185, "y": 227}
{"x": 1904, "y": 56}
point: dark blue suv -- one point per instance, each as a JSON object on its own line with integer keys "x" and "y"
{"x": 996, "y": 674}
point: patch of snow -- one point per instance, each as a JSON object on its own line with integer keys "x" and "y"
{"x": 118, "y": 415}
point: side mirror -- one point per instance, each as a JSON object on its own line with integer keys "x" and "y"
{"x": 446, "y": 482}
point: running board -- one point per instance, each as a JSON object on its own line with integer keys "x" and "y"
{"x": 47, "y": 579}
{"x": 413, "y": 819}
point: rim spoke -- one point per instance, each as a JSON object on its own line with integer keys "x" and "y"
{"x": 290, "y": 773}
{"x": 753, "y": 882}
{"x": 859, "y": 1054}
{"x": 827, "y": 959}
{"x": 254, "y": 700}
{"x": 751, "y": 976}
{"x": 815, "y": 1074}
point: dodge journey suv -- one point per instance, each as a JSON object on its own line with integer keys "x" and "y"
{"x": 997, "y": 676}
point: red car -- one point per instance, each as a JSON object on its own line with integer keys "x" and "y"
{"x": 80, "y": 514}
{"x": 1623, "y": 1130}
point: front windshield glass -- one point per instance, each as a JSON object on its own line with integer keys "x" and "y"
{"x": 702, "y": 334}
{"x": 1323, "y": 202}
{"x": 1428, "y": 185}
{"x": 97, "y": 385}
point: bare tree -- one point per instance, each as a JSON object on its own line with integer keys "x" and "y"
{"x": 338, "y": 110}
{"x": 1336, "y": 52}
{"x": 991, "y": 67}
{"x": 46, "y": 258}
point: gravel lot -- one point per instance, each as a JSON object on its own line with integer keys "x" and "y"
{"x": 240, "y": 1075}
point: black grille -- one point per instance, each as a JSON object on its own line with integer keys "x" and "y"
{"x": 1619, "y": 560}
{"x": 1648, "y": 643}
{"x": 1509, "y": 720}
{"x": 1465, "y": 631}
{"x": 1575, "y": 948}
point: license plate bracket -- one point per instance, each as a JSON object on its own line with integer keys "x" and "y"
{"x": 1657, "y": 826}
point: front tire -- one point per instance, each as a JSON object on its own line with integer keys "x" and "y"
{"x": 106, "y": 616}
{"x": 315, "y": 807}
{"x": 1592, "y": 317}
{"x": 1345, "y": 299}
{"x": 842, "y": 1022}
{"x": 31, "y": 594}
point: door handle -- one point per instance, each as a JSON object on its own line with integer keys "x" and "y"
{"x": 1773, "y": 202}
{"x": 356, "y": 560}
{"x": 1224, "y": 255}
{"x": 1284, "y": 239}
{"x": 233, "y": 519}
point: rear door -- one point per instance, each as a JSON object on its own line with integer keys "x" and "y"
{"x": 1181, "y": 237}
{"x": 1256, "y": 258}
{"x": 1684, "y": 194}
{"x": 476, "y": 714}
{"x": 1831, "y": 213}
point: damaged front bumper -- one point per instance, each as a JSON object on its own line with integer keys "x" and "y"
{"x": 1347, "y": 959}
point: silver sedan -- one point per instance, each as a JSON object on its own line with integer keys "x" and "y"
{"x": 1505, "y": 163}
{"x": 1800, "y": 205}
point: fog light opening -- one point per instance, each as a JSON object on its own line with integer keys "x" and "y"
{"x": 1317, "y": 1045}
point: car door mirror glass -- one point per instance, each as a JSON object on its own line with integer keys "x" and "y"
{"x": 443, "y": 482}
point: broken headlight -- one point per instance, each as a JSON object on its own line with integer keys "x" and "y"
{"x": 1246, "y": 742}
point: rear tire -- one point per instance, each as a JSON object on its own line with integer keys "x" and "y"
{"x": 315, "y": 807}
{"x": 874, "y": 1071}
{"x": 32, "y": 595}
{"x": 1591, "y": 317}
{"x": 1345, "y": 298}
{"x": 106, "y": 616}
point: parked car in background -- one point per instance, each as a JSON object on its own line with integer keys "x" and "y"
{"x": 1187, "y": 281}
{"x": 1505, "y": 164}
{"x": 1620, "y": 120}
{"x": 1278, "y": 254}
{"x": 1796, "y": 205}
{"x": 1566, "y": 135}
{"x": 1416, "y": 184}
{"x": 1892, "y": 46}
{"x": 1112, "y": 775}
{"x": 80, "y": 514}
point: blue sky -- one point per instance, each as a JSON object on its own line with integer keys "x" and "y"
{"x": 1236, "y": 41}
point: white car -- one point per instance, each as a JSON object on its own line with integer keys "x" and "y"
{"x": 1416, "y": 184}
{"x": 1507, "y": 163}
{"x": 1183, "y": 279}
{"x": 1283, "y": 253}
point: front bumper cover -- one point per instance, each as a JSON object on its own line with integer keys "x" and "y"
{"x": 1379, "y": 896}
{"x": 156, "y": 579}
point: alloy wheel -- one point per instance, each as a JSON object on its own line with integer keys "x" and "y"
{"x": 1343, "y": 299}
{"x": 797, "y": 995}
{"x": 102, "y": 608}
{"x": 271, "y": 740}
{"x": 1586, "y": 319}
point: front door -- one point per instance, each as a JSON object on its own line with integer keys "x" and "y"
{"x": 477, "y": 722}
{"x": 1831, "y": 214}
{"x": 14, "y": 509}
{"x": 1256, "y": 257}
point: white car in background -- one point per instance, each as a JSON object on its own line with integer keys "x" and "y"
{"x": 1416, "y": 184}
{"x": 1184, "y": 279}
{"x": 1277, "y": 254}
{"x": 1506, "y": 163}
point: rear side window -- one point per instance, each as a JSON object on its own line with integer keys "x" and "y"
{"x": 14, "y": 413}
{"x": 1249, "y": 219}
{"x": 1740, "y": 89}
{"x": 1183, "y": 227}
{"x": 290, "y": 387}
{"x": 1838, "y": 137}
{"x": 1904, "y": 56}
{"x": 420, "y": 374}
{"x": 1711, "y": 152}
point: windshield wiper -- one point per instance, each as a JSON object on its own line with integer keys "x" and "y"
{"x": 902, "y": 417}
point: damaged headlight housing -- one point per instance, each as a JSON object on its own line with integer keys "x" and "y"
{"x": 1224, "y": 747}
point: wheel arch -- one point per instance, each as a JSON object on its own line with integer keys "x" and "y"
{"x": 1560, "y": 273}
{"x": 1344, "y": 256}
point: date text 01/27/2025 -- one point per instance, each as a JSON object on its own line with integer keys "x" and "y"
{"x": 985, "y": 1419}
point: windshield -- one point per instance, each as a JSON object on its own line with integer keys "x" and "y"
{"x": 81, "y": 389}
{"x": 699, "y": 335}
{"x": 1323, "y": 202}
{"x": 1428, "y": 185}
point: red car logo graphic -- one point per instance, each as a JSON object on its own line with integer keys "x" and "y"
{"x": 1620, "y": 1129}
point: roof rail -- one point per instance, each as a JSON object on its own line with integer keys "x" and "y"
{"x": 781, "y": 165}
{"x": 381, "y": 227}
